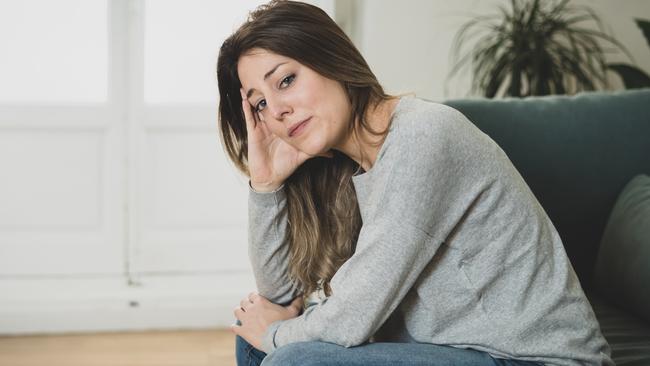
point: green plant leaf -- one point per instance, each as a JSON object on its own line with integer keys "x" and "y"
{"x": 537, "y": 47}
{"x": 645, "y": 28}
{"x": 633, "y": 78}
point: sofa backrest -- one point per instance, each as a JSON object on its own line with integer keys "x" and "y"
{"x": 575, "y": 152}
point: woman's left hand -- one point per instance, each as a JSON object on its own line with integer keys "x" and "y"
{"x": 256, "y": 313}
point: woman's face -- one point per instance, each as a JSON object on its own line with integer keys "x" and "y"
{"x": 301, "y": 107}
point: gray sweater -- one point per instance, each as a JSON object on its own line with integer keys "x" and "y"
{"x": 454, "y": 250}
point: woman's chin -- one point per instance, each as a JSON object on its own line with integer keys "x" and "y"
{"x": 314, "y": 151}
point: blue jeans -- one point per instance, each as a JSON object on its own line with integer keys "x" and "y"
{"x": 376, "y": 354}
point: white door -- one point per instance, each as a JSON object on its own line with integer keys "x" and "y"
{"x": 118, "y": 207}
{"x": 61, "y": 180}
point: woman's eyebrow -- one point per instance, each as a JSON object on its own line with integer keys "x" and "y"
{"x": 266, "y": 76}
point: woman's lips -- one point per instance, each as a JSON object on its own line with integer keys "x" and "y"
{"x": 299, "y": 128}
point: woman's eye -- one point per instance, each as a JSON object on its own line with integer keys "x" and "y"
{"x": 287, "y": 81}
{"x": 260, "y": 106}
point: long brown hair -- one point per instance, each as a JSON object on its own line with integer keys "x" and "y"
{"x": 322, "y": 210}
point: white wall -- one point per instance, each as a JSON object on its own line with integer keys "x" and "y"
{"x": 407, "y": 43}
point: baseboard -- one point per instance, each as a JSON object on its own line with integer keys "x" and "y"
{"x": 164, "y": 302}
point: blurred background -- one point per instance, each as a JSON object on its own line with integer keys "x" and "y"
{"x": 118, "y": 208}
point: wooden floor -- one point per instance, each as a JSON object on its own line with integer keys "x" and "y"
{"x": 181, "y": 348}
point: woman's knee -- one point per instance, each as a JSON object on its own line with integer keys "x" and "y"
{"x": 293, "y": 354}
{"x": 241, "y": 346}
{"x": 246, "y": 354}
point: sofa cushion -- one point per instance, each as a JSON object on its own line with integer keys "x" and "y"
{"x": 628, "y": 336}
{"x": 622, "y": 273}
{"x": 575, "y": 153}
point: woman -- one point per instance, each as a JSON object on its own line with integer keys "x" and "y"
{"x": 423, "y": 241}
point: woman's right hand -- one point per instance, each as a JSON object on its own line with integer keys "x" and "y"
{"x": 270, "y": 160}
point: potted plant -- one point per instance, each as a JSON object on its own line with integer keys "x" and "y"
{"x": 535, "y": 48}
{"x": 632, "y": 76}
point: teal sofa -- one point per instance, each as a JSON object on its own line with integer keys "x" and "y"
{"x": 587, "y": 160}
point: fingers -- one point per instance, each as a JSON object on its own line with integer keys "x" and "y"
{"x": 247, "y": 302}
{"x": 239, "y": 312}
{"x": 248, "y": 114}
{"x": 296, "y": 304}
{"x": 244, "y": 304}
{"x": 265, "y": 129}
{"x": 253, "y": 297}
{"x": 256, "y": 131}
{"x": 297, "y": 301}
{"x": 236, "y": 329}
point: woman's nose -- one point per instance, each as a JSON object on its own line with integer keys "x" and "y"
{"x": 279, "y": 109}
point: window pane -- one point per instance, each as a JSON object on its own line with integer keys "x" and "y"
{"x": 53, "y": 51}
{"x": 182, "y": 40}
